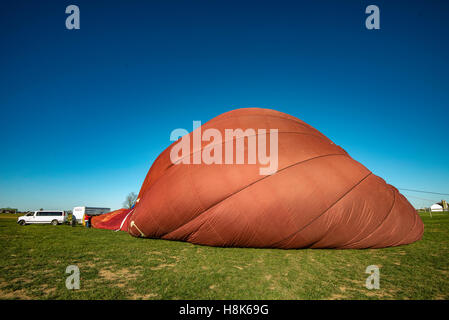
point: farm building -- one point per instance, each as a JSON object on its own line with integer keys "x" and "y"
{"x": 439, "y": 206}
{"x": 436, "y": 208}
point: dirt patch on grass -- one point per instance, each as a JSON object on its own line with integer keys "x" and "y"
{"x": 21, "y": 280}
{"x": 3, "y": 284}
{"x": 113, "y": 275}
{"x": 88, "y": 264}
{"x": 17, "y": 294}
{"x": 163, "y": 266}
{"x": 337, "y": 296}
{"x": 155, "y": 252}
{"x": 381, "y": 293}
{"x": 120, "y": 277}
{"x": 46, "y": 290}
{"x": 143, "y": 296}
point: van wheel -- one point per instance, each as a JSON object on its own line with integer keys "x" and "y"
{"x": 21, "y": 222}
{"x": 54, "y": 222}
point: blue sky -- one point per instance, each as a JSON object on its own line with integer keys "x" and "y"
{"x": 85, "y": 112}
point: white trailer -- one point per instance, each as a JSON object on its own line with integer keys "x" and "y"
{"x": 79, "y": 212}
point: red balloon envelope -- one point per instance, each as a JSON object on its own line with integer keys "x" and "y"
{"x": 113, "y": 220}
{"x": 319, "y": 197}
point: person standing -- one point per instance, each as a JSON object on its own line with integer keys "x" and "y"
{"x": 87, "y": 221}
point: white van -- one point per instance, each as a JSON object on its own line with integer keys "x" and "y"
{"x": 54, "y": 217}
{"x": 79, "y": 212}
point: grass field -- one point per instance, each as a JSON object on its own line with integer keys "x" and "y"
{"x": 114, "y": 265}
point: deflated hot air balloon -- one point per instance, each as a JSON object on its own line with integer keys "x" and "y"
{"x": 261, "y": 178}
{"x": 114, "y": 220}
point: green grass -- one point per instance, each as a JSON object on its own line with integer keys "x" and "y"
{"x": 114, "y": 265}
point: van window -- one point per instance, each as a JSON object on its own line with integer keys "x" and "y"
{"x": 49, "y": 214}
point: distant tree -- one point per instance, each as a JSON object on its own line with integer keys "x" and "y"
{"x": 130, "y": 200}
{"x": 9, "y": 210}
